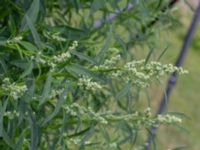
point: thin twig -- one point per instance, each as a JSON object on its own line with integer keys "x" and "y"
{"x": 112, "y": 16}
{"x": 164, "y": 9}
{"x": 173, "y": 78}
{"x": 189, "y": 5}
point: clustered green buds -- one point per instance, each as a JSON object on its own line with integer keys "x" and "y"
{"x": 66, "y": 55}
{"x": 87, "y": 114}
{"x": 11, "y": 114}
{"x": 87, "y": 82}
{"x": 109, "y": 63}
{"x": 41, "y": 59}
{"x": 157, "y": 69}
{"x": 138, "y": 72}
{"x": 13, "y": 90}
{"x": 168, "y": 119}
{"x": 14, "y": 40}
{"x": 138, "y": 118}
{"x": 54, "y": 36}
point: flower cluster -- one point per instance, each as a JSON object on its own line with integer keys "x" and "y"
{"x": 11, "y": 114}
{"x": 14, "y": 40}
{"x": 89, "y": 84}
{"x": 149, "y": 121}
{"x": 73, "y": 141}
{"x": 157, "y": 69}
{"x": 140, "y": 119}
{"x": 74, "y": 46}
{"x": 39, "y": 59}
{"x": 86, "y": 113}
{"x": 55, "y": 93}
{"x": 57, "y": 59}
{"x": 109, "y": 63}
{"x": 55, "y": 36}
{"x": 13, "y": 90}
{"x": 132, "y": 69}
{"x": 147, "y": 112}
{"x": 63, "y": 56}
{"x": 139, "y": 72}
{"x": 131, "y": 72}
{"x": 168, "y": 119}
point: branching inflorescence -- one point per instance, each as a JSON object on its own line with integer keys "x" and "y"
{"x": 137, "y": 72}
{"x": 62, "y": 87}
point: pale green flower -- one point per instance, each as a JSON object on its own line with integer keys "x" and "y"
{"x": 12, "y": 89}
{"x": 89, "y": 84}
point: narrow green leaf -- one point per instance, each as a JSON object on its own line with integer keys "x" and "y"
{"x": 105, "y": 134}
{"x": 159, "y": 4}
{"x": 12, "y": 25}
{"x": 3, "y": 65}
{"x": 28, "y": 70}
{"x": 34, "y": 32}
{"x": 149, "y": 55}
{"x": 57, "y": 108}
{"x": 20, "y": 63}
{"x": 2, "y": 110}
{"x": 179, "y": 148}
{"x": 32, "y": 13}
{"x": 46, "y": 89}
{"x": 87, "y": 136}
{"x": 100, "y": 56}
{"x": 189, "y": 4}
{"x": 20, "y": 140}
{"x": 181, "y": 128}
{"x": 82, "y": 132}
{"x": 124, "y": 91}
{"x": 96, "y": 5}
{"x": 7, "y": 139}
{"x": 29, "y": 94}
{"x": 65, "y": 28}
{"x": 179, "y": 114}
{"x": 34, "y": 132}
{"x": 122, "y": 44}
{"x": 78, "y": 70}
{"x": 163, "y": 52}
{"x": 3, "y": 42}
{"x": 69, "y": 32}
{"x": 28, "y": 45}
{"x": 77, "y": 4}
{"x": 84, "y": 57}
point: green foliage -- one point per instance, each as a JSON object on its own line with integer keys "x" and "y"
{"x": 64, "y": 86}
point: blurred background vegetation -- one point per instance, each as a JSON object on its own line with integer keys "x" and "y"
{"x": 129, "y": 34}
{"x": 186, "y": 96}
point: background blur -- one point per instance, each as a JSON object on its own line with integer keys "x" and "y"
{"x": 186, "y": 95}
